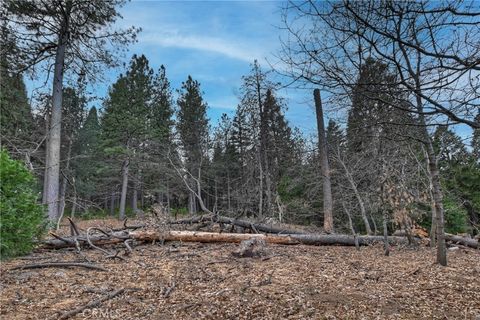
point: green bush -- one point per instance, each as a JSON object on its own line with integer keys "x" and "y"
{"x": 22, "y": 219}
{"x": 456, "y": 217}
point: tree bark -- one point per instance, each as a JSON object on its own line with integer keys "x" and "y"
{"x": 53, "y": 148}
{"x": 168, "y": 197}
{"x": 228, "y": 192}
{"x": 350, "y": 223}
{"x": 74, "y": 206}
{"x": 438, "y": 199}
{"x": 210, "y": 237}
{"x": 135, "y": 197}
{"x": 63, "y": 192}
{"x": 192, "y": 208}
{"x": 45, "y": 175}
{"x": 260, "y": 192}
{"x": 436, "y": 189}
{"x": 386, "y": 246}
{"x": 472, "y": 243}
{"x": 322, "y": 148}
{"x": 123, "y": 196}
{"x": 112, "y": 204}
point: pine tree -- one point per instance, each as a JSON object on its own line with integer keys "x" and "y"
{"x": 125, "y": 121}
{"x": 158, "y": 177}
{"x": 76, "y": 32}
{"x": 16, "y": 120}
{"x": 193, "y": 129}
{"x": 86, "y": 165}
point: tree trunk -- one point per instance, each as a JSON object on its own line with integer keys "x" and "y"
{"x": 123, "y": 196}
{"x": 63, "y": 192}
{"x": 472, "y": 243}
{"x": 112, "y": 204}
{"x": 436, "y": 186}
{"x": 211, "y": 237}
{"x": 74, "y": 206}
{"x": 260, "y": 191}
{"x": 438, "y": 199}
{"x": 322, "y": 148}
{"x": 45, "y": 175}
{"x": 135, "y": 197}
{"x": 386, "y": 246}
{"x": 228, "y": 192}
{"x": 191, "y": 203}
{"x": 375, "y": 229}
{"x": 215, "y": 204}
{"x": 433, "y": 229}
{"x": 168, "y": 197}
{"x": 350, "y": 223}
{"x": 53, "y": 148}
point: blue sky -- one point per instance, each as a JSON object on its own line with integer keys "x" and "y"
{"x": 215, "y": 42}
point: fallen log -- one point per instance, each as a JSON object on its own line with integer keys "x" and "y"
{"x": 261, "y": 227}
{"x": 210, "y": 237}
{"x": 59, "y": 265}
{"x": 468, "y": 242}
{"x": 472, "y": 243}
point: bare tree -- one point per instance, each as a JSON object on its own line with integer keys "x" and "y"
{"x": 431, "y": 46}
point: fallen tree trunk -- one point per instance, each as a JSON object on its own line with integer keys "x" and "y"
{"x": 468, "y": 242}
{"x": 472, "y": 243}
{"x": 194, "y": 236}
{"x": 260, "y": 227}
{"x": 59, "y": 265}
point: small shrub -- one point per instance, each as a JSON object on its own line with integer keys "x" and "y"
{"x": 22, "y": 219}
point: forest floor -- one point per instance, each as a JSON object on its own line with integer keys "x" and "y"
{"x": 205, "y": 281}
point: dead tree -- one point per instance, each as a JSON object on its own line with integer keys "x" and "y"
{"x": 322, "y": 149}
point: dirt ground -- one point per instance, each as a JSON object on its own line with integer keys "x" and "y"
{"x": 205, "y": 281}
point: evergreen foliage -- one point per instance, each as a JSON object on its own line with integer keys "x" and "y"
{"x": 22, "y": 218}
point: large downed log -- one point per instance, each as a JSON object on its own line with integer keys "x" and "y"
{"x": 468, "y": 242}
{"x": 196, "y": 236}
{"x": 472, "y": 243}
{"x": 260, "y": 227}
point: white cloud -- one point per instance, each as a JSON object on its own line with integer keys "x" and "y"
{"x": 243, "y": 52}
